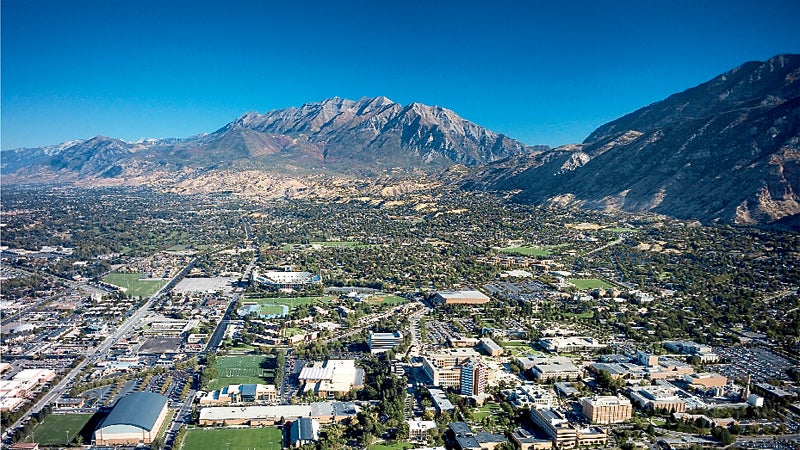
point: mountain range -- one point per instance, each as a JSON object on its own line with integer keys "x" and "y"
{"x": 726, "y": 151}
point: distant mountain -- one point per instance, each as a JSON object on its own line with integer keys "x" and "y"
{"x": 727, "y": 150}
{"x": 335, "y": 135}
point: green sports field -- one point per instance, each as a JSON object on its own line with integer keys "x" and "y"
{"x": 590, "y": 283}
{"x": 245, "y": 369}
{"x": 267, "y": 438}
{"x": 384, "y": 299}
{"x": 134, "y": 285}
{"x": 60, "y": 429}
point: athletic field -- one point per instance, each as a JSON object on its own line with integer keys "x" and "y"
{"x": 60, "y": 429}
{"x": 134, "y": 284}
{"x": 268, "y": 438}
{"x": 245, "y": 369}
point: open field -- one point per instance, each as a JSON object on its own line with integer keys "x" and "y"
{"x": 268, "y": 438}
{"x": 244, "y": 369}
{"x": 621, "y": 230}
{"x": 385, "y": 299}
{"x": 134, "y": 285}
{"x": 60, "y": 429}
{"x": 337, "y": 244}
{"x": 590, "y": 283}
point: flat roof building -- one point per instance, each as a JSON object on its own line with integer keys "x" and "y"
{"x": 555, "y": 368}
{"x": 464, "y": 297}
{"x": 324, "y": 412}
{"x": 382, "y": 342}
{"x": 490, "y": 347}
{"x": 556, "y": 426}
{"x": 134, "y": 419}
{"x": 657, "y": 397}
{"x": 607, "y": 409}
{"x": 570, "y": 344}
{"x": 335, "y": 376}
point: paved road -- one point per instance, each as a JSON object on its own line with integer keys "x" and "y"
{"x": 101, "y": 349}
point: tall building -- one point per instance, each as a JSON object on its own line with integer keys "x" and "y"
{"x": 607, "y": 409}
{"x": 473, "y": 378}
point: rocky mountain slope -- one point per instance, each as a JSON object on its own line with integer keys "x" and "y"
{"x": 727, "y": 150}
{"x": 333, "y": 136}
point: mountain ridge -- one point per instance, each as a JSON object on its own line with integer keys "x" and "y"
{"x": 727, "y": 150}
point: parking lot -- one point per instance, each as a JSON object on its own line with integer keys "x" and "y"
{"x": 761, "y": 364}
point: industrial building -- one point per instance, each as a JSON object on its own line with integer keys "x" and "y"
{"x": 607, "y": 409}
{"x": 135, "y": 419}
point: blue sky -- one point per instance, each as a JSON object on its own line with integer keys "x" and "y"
{"x": 543, "y": 72}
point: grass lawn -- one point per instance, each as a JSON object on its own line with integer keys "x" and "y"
{"x": 135, "y": 287}
{"x": 293, "y": 332}
{"x": 485, "y": 411}
{"x": 386, "y": 299}
{"x": 583, "y": 315}
{"x": 60, "y": 429}
{"x": 392, "y": 446}
{"x": 268, "y": 438}
{"x": 244, "y": 369}
{"x": 590, "y": 283}
{"x": 518, "y": 348}
{"x": 274, "y": 310}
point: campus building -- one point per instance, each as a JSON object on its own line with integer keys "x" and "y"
{"x": 382, "y": 342}
{"x": 473, "y": 378}
{"x": 135, "y": 419}
{"x": 607, "y": 409}
{"x": 323, "y": 412}
{"x": 555, "y": 368}
{"x": 241, "y": 393}
{"x": 657, "y": 398}
{"x": 489, "y": 347}
{"x": 570, "y": 344}
{"x": 465, "y": 297}
{"x": 556, "y": 426}
{"x": 444, "y": 368}
{"x": 285, "y": 279}
{"x": 335, "y": 376}
{"x": 303, "y": 431}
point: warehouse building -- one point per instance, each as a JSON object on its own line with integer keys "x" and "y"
{"x": 135, "y": 419}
